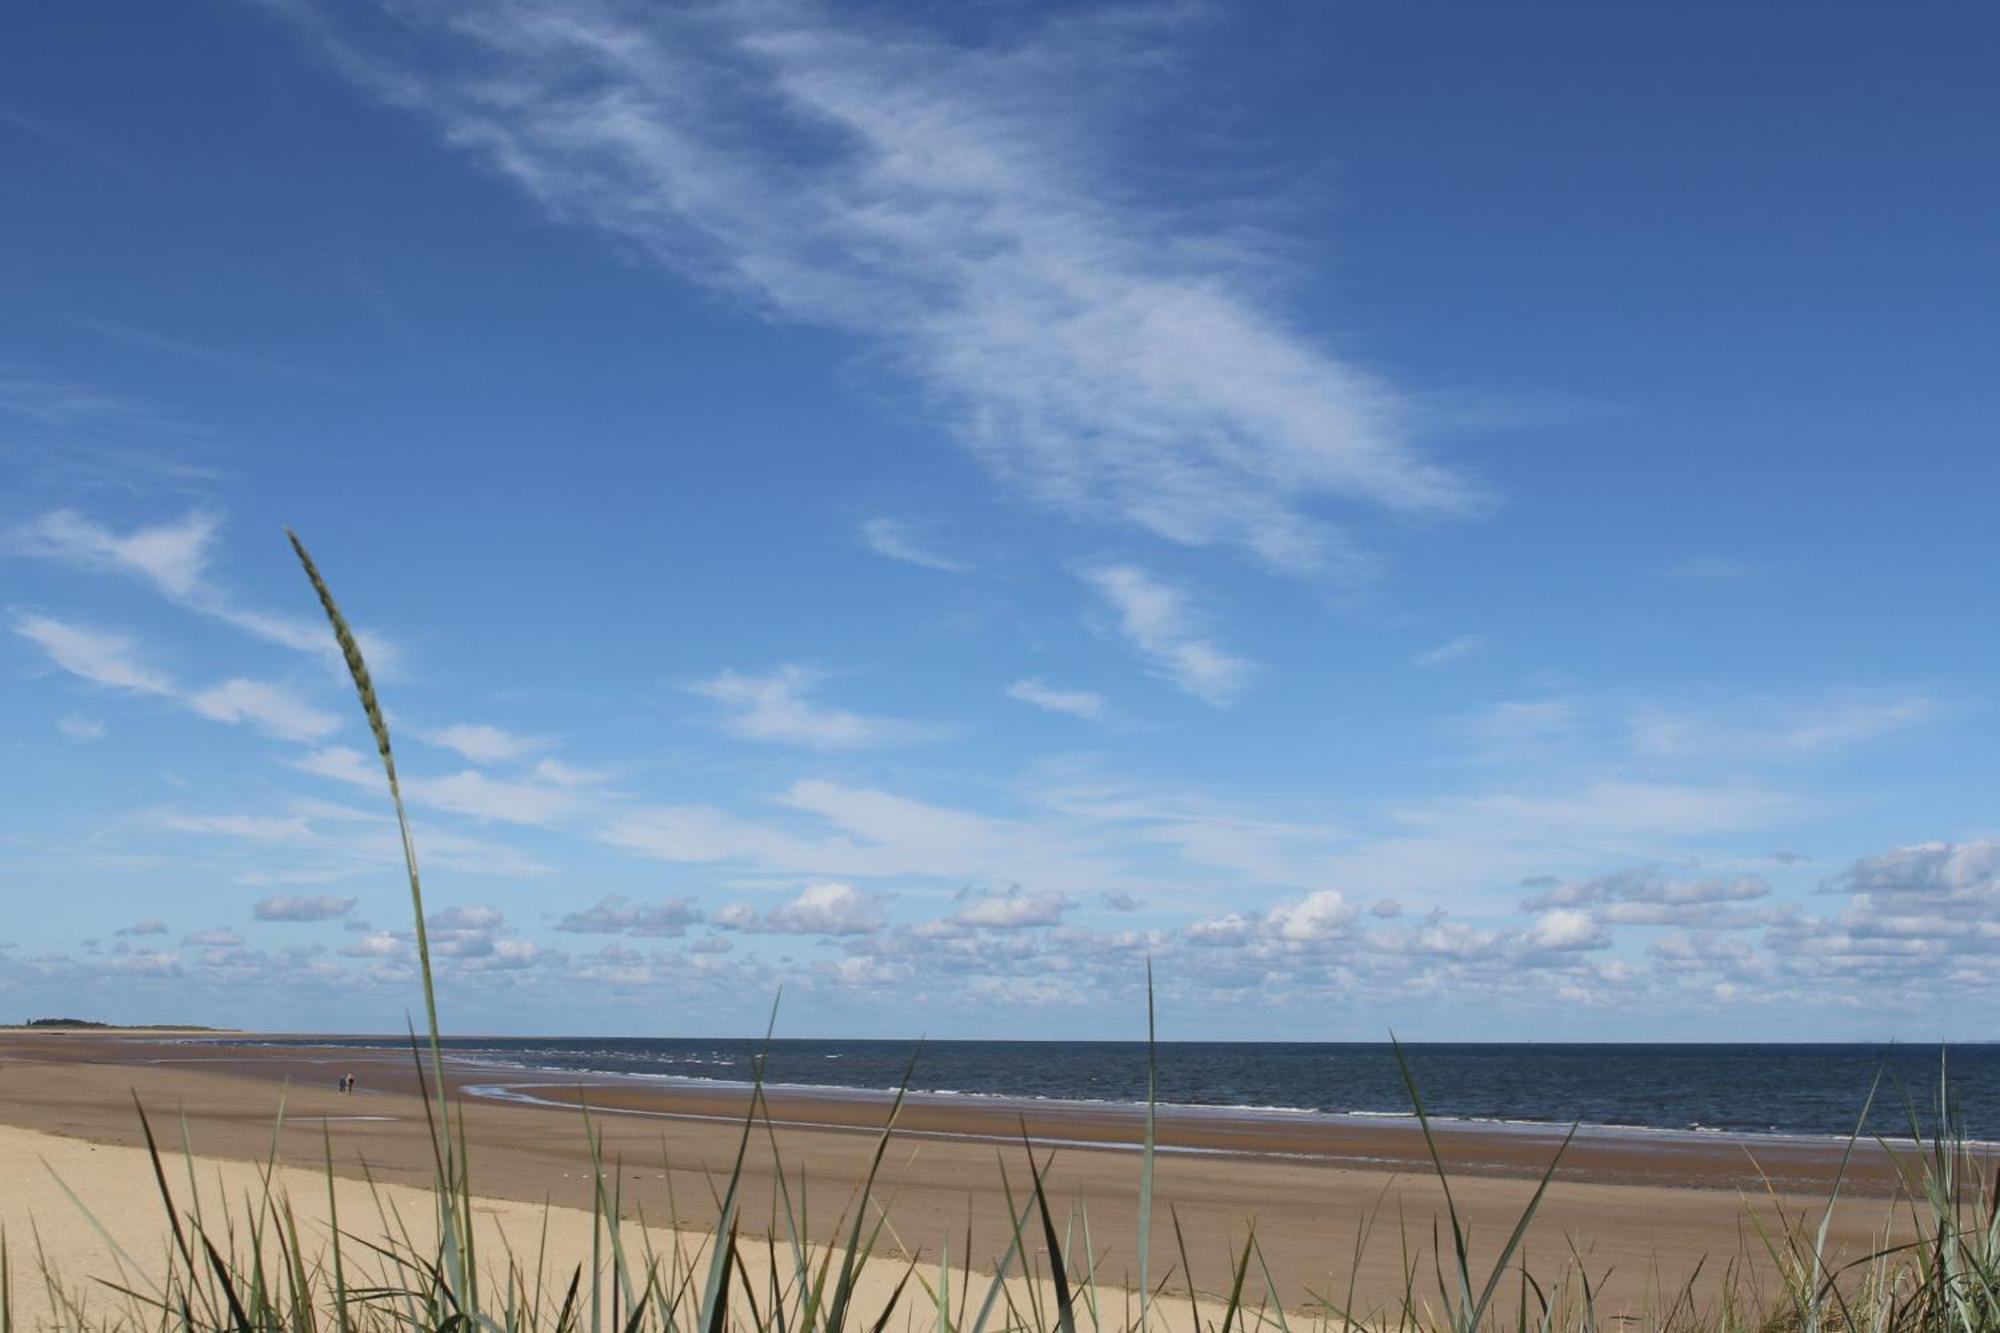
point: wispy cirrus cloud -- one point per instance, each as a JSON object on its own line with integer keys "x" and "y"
{"x": 778, "y": 706}
{"x": 1077, "y": 703}
{"x": 272, "y": 708}
{"x": 954, "y": 205}
{"x": 177, "y": 558}
{"x": 1780, "y": 729}
{"x": 116, "y": 661}
{"x": 1451, "y": 650}
{"x": 528, "y": 800}
{"x": 483, "y": 743}
{"x": 102, "y": 657}
{"x": 1160, "y": 622}
{"x": 894, "y": 539}
{"x": 82, "y": 729}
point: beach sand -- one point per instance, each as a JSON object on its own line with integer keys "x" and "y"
{"x": 1645, "y": 1212}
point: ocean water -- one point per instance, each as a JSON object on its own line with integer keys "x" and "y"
{"x": 1757, "y": 1089}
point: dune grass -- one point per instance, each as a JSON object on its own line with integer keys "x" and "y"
{"x": 248, "y": 1265}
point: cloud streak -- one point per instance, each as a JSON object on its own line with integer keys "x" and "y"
{"x": 175, "y": 558}
{"x": 951, "y": 205}
{"x": 778, "y": 707}
{"x": 894, "y": 539}
{"x": 1157, "y": 619}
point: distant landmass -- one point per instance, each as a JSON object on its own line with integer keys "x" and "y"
{"x": 94, "y": 1025}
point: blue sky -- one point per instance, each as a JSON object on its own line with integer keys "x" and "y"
{"x": 1475, "y": 522}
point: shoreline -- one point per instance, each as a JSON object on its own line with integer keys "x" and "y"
{"x": 1610, "y": 1155}
{"x": 1314, "y": 1192}
{"x": 1696, "y": 1158}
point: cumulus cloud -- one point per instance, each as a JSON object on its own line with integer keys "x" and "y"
{"x": 616, "y": 914}
{"x": 469, "y": 933}
{"x": 1157, "y": 620}
{"x": 1324, "y": 915}
{"x": 825, "y": 908}
{"x": 942, "y": 203}
{"x": 1932, "y": 898}
{"x": 1565, "y": 928}
{"x": 1651, "y": 898}
{"x": 151, "y": 925}
{"x": 778, "y": 707}
{"x": 378, "y": 944}
{"x": 1010, "y": 910}
{"x": 1317, "y": 918}
{"x": 302, "y": 907}
{"x": 1077, "y": 703}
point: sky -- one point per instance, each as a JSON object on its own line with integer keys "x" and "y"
{"x": 1474, "y": 522}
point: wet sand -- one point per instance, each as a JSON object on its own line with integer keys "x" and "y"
{"x": 1650, "y": 1208}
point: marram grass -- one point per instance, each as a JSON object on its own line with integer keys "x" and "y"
{"x": 246, "y": 1265}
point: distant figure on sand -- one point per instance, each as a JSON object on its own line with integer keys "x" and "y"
{"x": 346, "y": 1084}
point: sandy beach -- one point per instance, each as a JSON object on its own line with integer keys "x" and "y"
{"x": 1644, "y": 1210}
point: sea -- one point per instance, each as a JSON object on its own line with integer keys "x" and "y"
{"x": 1788, "y": 1089}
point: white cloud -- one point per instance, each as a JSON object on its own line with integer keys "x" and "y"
{"x": 776, "y": 707}
{"x": 1156, "y": 619}
{"x": 271, "y": 708}
{"x": 220, "y": 938}
{"x": 175, "y": 558}
{"x": 483, "y": 744}
{"x": 1623, "y": 808}
{"x": 339, "y": 841}
{"x": 1012, "y": 910}
{"x": 557, "y": 773}
{"x": 1465, "y": 645}
{"x": 81, "y": 729}
{"x": 826, "y": 908}
{"x": 617, "y": 914}
{"x": 302, "y": 907}
{"x": 898, "y": 540}
{"x": 98, "y": 656}
{"x": 1318, "y": 916}
{"x": 1514, "y": 726}
{"x": 1779, "y": 730}
{"x": 467, "y": 792}
{"x": 1650, "y": 898}
{"x": 1077, "y": 703}
{"x": 114, "y": 661}
{"x": 944, "y": 202}
{"x": 378, "y": 944}
{"x": 151, "y": 925}
{"x": 473, "y": 793}
{"x": 1564, "y": 929}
